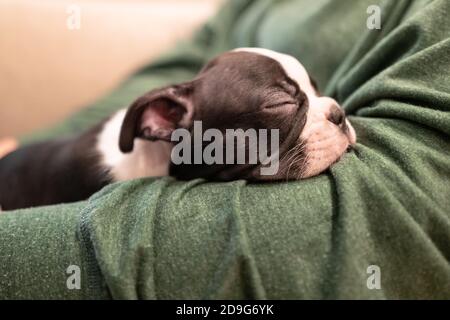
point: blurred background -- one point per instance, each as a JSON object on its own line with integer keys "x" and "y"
{"x": 52, "y": 63}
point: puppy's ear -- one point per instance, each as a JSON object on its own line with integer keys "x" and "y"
{"x": 155, "y": 115}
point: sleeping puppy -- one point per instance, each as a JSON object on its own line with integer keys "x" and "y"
{"x": 247, "y": 88}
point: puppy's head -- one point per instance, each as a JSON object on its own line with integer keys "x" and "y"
{"x": 248, "y": 88}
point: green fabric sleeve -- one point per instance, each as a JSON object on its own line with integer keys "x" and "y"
{"x": 163, "y": 239}
{"x": 385, "y": 204}
{"x": 37, "y": 248}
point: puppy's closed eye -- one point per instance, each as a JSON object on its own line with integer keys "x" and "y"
{"x": 279, "y": 99}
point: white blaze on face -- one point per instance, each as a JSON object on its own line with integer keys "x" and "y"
{"x": 324, "y": 141}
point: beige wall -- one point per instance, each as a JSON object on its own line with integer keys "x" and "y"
{"x": 47, "y": 71}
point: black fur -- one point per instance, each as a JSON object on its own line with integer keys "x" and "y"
{"x": 65, "y": 170}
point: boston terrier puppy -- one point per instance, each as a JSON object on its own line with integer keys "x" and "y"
{"x": 240, "y": 89}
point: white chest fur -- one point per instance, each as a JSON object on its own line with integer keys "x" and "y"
{"x": 148, "y": 158}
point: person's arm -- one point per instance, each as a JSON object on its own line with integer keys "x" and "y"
{"x": 43, "y": 257}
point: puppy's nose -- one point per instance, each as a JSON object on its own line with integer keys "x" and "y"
{"x": 336, "y": 115}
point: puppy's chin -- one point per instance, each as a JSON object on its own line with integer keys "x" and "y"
{"x": 323, "y": 142}
{"x": 325, "y": 149}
